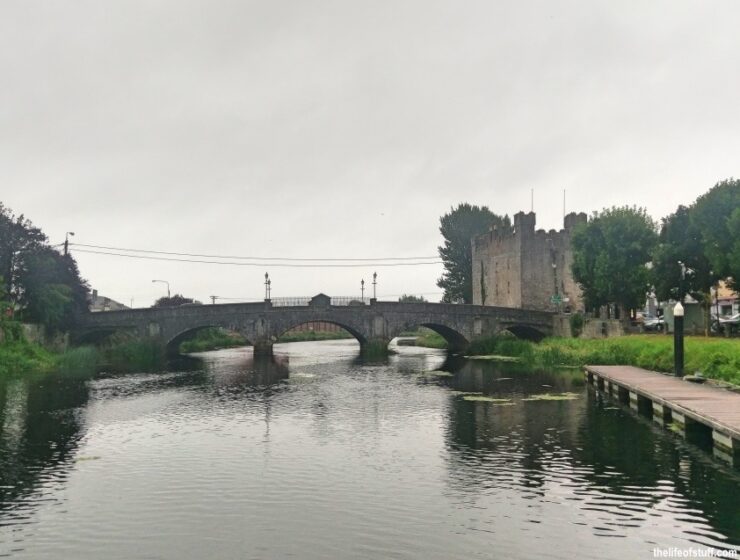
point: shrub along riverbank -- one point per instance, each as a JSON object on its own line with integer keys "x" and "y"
{"x": 212, "y": 339}
{"x": 119, "y": 354}
{"x": 713, "y": 357}
{"x": 19, "y": 355}
{"x": 716, "y": 358}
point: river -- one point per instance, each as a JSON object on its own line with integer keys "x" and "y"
{"x": 318, "y": 454}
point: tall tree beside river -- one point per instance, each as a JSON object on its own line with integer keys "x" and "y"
{"x": 458, "y": 227}
{"x": 716, "y": 215}
{"x": 681, "y": 241}
{"x": 41, "y": 285}
{"x": 610, "y": 257}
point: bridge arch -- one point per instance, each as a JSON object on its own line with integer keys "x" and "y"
{"x": 172, "y": 344}
{"x": 98, "y": 336}
{"x": 456, "y": 340}
{"x": 526, "y": 332}
{"x": 287, "y": 326}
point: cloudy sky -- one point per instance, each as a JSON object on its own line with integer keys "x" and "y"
{"x": 343, "y": 129}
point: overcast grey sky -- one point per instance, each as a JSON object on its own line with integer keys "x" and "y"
{"x": 345, "y": 129}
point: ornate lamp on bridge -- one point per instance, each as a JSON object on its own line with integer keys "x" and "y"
{"x": 362, "y": 290}
{"x": 375, "y": 283}
{"x": 268, "y": 282}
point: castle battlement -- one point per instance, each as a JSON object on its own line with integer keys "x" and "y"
{"x": 526, "y": 267}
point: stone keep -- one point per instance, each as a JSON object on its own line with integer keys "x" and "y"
{"x": 525, "y": 268}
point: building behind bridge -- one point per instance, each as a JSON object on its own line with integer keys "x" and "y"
{"x": 526, "y": 268}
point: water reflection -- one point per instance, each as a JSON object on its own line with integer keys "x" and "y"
{"x": 363, "y": 459}
{"x": 40, "y": 429}
{"x": 620, "y": 471}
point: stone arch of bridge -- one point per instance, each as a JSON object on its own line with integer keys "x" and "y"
{"x": 173, "y": 343}
{"x": 456, "y": 341}
{"x": 98, "y": 336}
{"x": 282, "y": 329}
{"x": 526, "y": 332}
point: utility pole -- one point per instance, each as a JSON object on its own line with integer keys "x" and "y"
{"x": 213, "y": 300}
{"x": 66, "y": 242}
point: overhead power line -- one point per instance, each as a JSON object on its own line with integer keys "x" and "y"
{"x": 261, "y": 264}
{"x": 290, "y": 259}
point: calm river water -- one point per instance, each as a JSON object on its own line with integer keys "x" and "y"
{"x": 316, "y": 454}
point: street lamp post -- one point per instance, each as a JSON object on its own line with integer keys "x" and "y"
{"x": 362, "y": 290}
{"x": 66, "y": 242}
{"x": 168, "y": 286}
{"x": 375, "y": 283}
{"x": 678, "y": 339}
{"x": 267, "y": 287}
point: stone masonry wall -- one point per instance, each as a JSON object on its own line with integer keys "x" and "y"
{"x": 497, "y": 269}
{"x": 527, "y": 267}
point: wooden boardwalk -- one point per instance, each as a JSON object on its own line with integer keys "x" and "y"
{"x": 670, "y": 400}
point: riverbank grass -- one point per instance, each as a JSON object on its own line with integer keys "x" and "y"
{"x": 17, "y": 355}
{"x": 212, "y": 339}
{"x": 715, "y": 358}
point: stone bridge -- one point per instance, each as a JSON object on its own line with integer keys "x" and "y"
{"x": 373, "y": 325}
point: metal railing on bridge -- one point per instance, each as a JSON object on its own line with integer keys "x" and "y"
{"x": 305, "y": 301}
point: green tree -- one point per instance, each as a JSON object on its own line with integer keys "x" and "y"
{"x": 175, "y": 301}
{"x": 610, "y": 254}
{"x": 407, "y": 298}
{"x": 51, "y": 291}
{"x": 18, "y": 239}
{"x": 458, "y": 228}
{"x": 681, "y": 241}
{"x": 716, "y": 215}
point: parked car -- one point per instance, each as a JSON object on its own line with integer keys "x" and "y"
{"x": 731, "y": 324}
{"x": 653, "y": 324}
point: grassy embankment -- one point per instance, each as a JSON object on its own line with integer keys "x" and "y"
{"x": 212, "y": 339}
{"x": 120, "y": 354}
{"x": 430, "y": 339}
{"x": 19, "y": 355}
{"x": 716, "y": 358}
{"x": 215, "y": 339}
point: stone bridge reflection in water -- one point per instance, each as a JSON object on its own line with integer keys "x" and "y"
{"x": 317, "y": 453}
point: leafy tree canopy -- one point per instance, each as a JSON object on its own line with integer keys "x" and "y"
{"x": 610, "y": 254}
{"x": 175, "y": 301}
{"x": 716, "y": 215}
{"x": 681, "y": 241}
{"x": 18, "y": 238}
{"x": 407, "y": 298}
{"x": 42, "y": 285}
{"x": 458, "y": 228}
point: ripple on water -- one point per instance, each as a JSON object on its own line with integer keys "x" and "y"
{"x": 316, "y": 455}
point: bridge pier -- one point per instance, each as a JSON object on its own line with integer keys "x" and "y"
{"x": 374, "y": 347}
{"x": 263, "y": 347}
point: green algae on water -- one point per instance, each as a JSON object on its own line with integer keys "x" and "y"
{"x": 553, "y": 397}
{"x": 484, "y": 398}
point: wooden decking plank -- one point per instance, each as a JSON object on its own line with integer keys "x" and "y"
{"x": 712, "y": 406}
